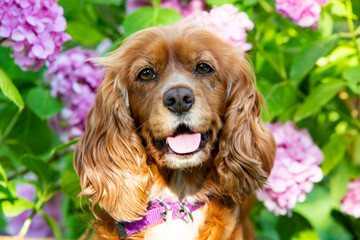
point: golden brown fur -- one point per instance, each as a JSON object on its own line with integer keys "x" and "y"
{"x": 121, "y": 169}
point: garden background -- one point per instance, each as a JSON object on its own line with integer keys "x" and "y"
{"x": 306, "y": 57}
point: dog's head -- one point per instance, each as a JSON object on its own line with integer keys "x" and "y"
{"x": 181, "y": 97}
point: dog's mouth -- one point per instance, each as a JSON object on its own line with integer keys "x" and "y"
{"x": 184, "y": 141}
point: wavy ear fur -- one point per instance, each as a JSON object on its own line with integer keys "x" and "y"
{"x": 110, "y": 158}
{"x": 246, "y": 146}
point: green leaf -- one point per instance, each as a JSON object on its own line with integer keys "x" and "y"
{"x": 7, "y": 113}
{"x": 15, "y": 73}
{"x": 109, "y": 14}
{"x": 250, "y": 2}
{"x": 305, "y": 60}
{"x": 32, "y": 133}
{"x": 5, "y": 193}
{"x": 42, "y": 103}
{"x": 318, "y": 97}
{"x": 54, "y": 226}
{"x": 75, "y": 225}
{"x": 9, "y": 192}
{"x": 104, "y": 1}
{"x": 325, "y": 24}
{"x": 339, "y": 179}
{"x": 167, "y": 16}
{"x": 348, "y": 222}
{"x": 63, "y": 147}
{"x": 70, "y": 184}
{"x": 16, "y": 207}
{"x": 355, "y": 151}
{"x": 339, "y": 9}
{"x": 317, "y": 210}
{"x": 287, "y": 227}
{"x": 220, "y": 2}
{"x": 145, "y": 17}
{"x": 42, "y": 170}
{"x": 280, "y": 98}
{"x": 10, "y": 91}
{"x": 352, "y": 75}
{"x": 84, "y": 32}
{"x": 306, "y": 235}
{"x": 3, "y": 177}
{"x": 334, "y": 151}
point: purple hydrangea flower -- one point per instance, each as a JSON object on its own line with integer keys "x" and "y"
{"x": 296, "y": 169}
{"x": 351, "y": 202}
{"x": 74, "y": 80}
{"x": 228, "y": 23}
{"x": 186, "y": 9}
{"x": 34, "y": 29}
{"x": 193, "y": 7}
{"x": 38, "y": 227}
{"x": 304, "y": 13}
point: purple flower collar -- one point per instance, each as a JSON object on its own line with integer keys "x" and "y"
{"x": 159, "y": 211}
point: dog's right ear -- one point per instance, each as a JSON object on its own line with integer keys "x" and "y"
{"x": 110, "y": 159}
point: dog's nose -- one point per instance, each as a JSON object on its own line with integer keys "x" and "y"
{"x": 179, "y": 99}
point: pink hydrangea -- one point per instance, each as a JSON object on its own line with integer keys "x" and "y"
{"x": 34, "y": 29}
{"x": 304, "y": 13}
{"x": 228, "y": 23}
{"x": 193, "y": 6}
{"x": 38, "y": 227}
{"x": 296, "y": 169}
{"x": 351, "y": 202}
{"x": 74, "y": 80}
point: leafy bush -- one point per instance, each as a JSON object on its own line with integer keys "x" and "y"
{"x": 308, "y": 72}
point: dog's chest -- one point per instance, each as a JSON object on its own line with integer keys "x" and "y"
{"x": 177, "y": 229}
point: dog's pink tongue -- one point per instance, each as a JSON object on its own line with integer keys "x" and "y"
{"x": 184, "y": 143}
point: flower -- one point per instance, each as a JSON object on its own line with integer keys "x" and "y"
{"x": 132, "y": 5}
{"x": 228, "y": 23}
{"x": 304, "y": 13}
{"x": 351, "y": 202}
{"x": 34, "y": 29}
{"x": 38, "y": 227}
{"x": 296, "y": 169}
{"x": 73, "y": 80}
{"x": 193, "y": 6}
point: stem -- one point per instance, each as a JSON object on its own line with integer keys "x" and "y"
{"x": 54, "y": 158}
{"x": 351, "y": 26}
{"x": 10, "y": 126}
{"x": 348, "y": 35}
{"x": 25, "y": 227}
{"x": 266, "y": 6}
{"x": 156, "y": 6}
{"x": 279, "y": 69}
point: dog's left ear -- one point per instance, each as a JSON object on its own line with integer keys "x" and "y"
{"x": 246, "y": 147}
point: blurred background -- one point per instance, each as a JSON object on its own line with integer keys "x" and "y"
{"x": 306, "y": 58}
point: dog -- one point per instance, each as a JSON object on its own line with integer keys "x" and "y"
{"x": 174, "y": 146}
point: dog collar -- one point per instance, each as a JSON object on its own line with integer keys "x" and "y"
{"x": 159, "y": 211}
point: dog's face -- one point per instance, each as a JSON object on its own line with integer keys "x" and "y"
{"x": 182, "y": 97}
{"x": 176, "y": 95}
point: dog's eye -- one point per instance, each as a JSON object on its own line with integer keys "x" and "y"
{"x": 146, "y": 74}
{"x": 203, "y": 68}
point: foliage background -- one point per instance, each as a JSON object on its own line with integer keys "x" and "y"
{"x": 311, "y": 77}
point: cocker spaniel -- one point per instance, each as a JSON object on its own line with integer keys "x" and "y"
{"x": 174, "y": 146}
